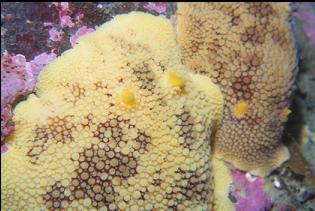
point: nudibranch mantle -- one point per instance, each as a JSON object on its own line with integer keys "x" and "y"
{"x": 248, "y": 50}
{"x": 108, "y": 130}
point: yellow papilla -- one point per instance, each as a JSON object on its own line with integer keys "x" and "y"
{"x": 127, "y": 96}
{"x": 240, "y": 109}
{"x": 176, "y": 80}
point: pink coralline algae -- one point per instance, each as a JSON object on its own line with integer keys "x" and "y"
{"x": 64, "y": 14}
{"x": 7, "y": 126}
{"x": 80, "y": 17}
{"x": 64, "y": 5}
{"x": 4, "y": 148}
{"x": 158, "y": 7}
{"x": 249, "y": 195}
{"x": 65, "y": 20}
{"x": 18, "y": 78}
{"x": 55, "y": 35}
{"x": 81, "y": 31}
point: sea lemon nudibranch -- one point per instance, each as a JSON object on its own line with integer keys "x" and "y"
{"x": 76, "y": 146}
{"x": 248, "y": 50}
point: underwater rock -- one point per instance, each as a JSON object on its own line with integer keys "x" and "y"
{"x": 306, "y": 13}
{"x": 288, "y": 189}
{"x": 25, "y": 32}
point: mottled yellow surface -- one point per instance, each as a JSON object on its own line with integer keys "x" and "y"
{"x": 248, "y": 50}
{"x": 117, "y": 122}
{"x": 221, "y": 183}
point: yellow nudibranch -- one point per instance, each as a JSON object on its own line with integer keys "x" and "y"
{"x": 248, "y": 50}
{"x": 107, "y": 129}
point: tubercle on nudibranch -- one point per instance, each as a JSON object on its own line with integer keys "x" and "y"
{"x": 240, "y": 109}
{"x": 176, "y": 80}
{"x": 127, "y": 96}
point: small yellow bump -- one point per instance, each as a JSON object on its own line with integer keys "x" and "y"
{"x": 148, "y": 207}
{"x": 67, "y": 192}
{"x": 176, "y": 80}
{"x": 103, "y": 176}
{"x": 240, "y": 109}
{"x": 134, "y": 208}
{"x": 136, "y": 195}
{"x": 159, "y": 198}
{"x": 285, "y": 113}
{"x": 124, "y": 192}
{"x": 125, "y": 150}
{"x": 168, "y": 190}
{"x": 143, "y": 183}
{"x": 75, "y": 204}
{"x": 75, "y": 156}
{"x": 127, "y": 96}
{"x": 126, "y": 198}
{"x": 108, "y": 134}
{"x": 116, "y": 181}
{"x": 65, "y": 182}
{"x": 150, "y": 169}
{"x": 151, "y": 188}
{"x": 248, "y": 45}
{"x": 112, "y": 206}
{"x": 64, "y": 204}
{"x": 122, "y": 205}
{"x": 131, "y": 181}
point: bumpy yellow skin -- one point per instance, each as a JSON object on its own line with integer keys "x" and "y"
{"x": 117, "y": 122}
{"x": 221, "y": 184}
{"x": 248, "y": 50}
